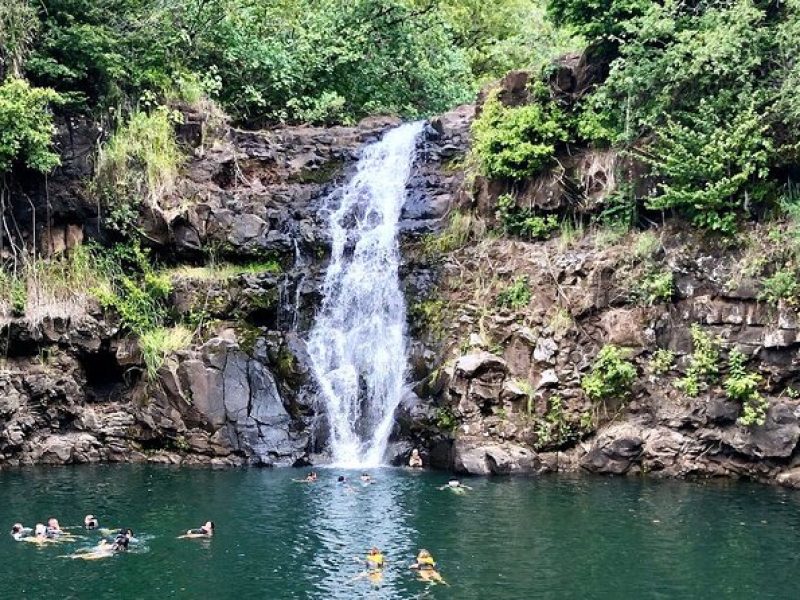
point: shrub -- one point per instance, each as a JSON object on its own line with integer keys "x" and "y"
{"x": 460, "y": 228}
{"x": 742, "y": 386}
{"x": 647, "y": 245}
{"x": 708, "y": 161}
{"x": 139, "y": 163}
{"x": 524, "y": 222}
{"x": 445, "y": 419}
{"x": 782, "y": 285}
{"x": 133, "y": 288}
{"x": 515, "y": 143}
{"x": 656, "y": 286}
{"x": 517, "y": 296}
{"x": 611, "y": 376}
{"x": 703, "y": 364}
{"x": 663, "y": 360}
{"x": 554, "y": 428}
{"x": 26, "y": 126}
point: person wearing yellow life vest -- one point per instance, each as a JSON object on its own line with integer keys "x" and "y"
{"x": 426, "y": 568}
{"x": 375, "y": 559}
{"x": 424, "y": 561}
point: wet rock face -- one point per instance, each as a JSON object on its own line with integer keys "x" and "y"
{"x": 511, "y": 378}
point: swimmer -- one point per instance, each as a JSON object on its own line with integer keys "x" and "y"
{"x": 104, "y": 549}
{"x": 53, "y": 528}
{"x": 90, "y": 522}
{"x": 454, "y": 485}
{"x": 40, "y": 535}
{"x": 425, "y": 567}
{"x": 19, "y": 531}
{"x": 206, "y": 531}
{"x": 415, "y": 461}
{"x": 126, "y": 532}
{"x": 310, "y": 478}
{"x": 374, "y": 559}
{"x": 366, "y": 479}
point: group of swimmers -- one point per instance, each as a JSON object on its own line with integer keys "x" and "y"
{"x": 424, "y": 565}
{"x": 112, "y": 541}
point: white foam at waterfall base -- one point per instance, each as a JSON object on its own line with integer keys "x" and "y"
{"x": 358, "y": 343}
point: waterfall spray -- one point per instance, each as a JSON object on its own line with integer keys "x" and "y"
{"x": 358, "y": 344}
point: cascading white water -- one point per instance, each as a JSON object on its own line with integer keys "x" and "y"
{"x": 357, "y": 344}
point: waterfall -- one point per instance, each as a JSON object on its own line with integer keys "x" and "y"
{"x": 357, "y": 344}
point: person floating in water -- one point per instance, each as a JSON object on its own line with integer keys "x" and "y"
{"x": 206, "y": 531}
{"x": 90, "y": 522}
{"x": 425, "y": 567}
{"x": 366, "y": 479}
{"x": 105, "y": 548}
{"x": 310, "y": 478}
{"x": 53, "y": 528}
{"x": 454, "y": 485}
{"x": 19, "y": 531}
{"x": 415, "y": 461}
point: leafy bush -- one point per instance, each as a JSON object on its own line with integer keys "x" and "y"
{"x": 708, "y": 161}
{"x": 703, "y": 364}
{"x": 524, "y": 222}
{"x": 515, "y": 143}
{"x": 26, "y": 126}
{"x": 597, "y": 19}
{"x": 133, "y": 288}
{"x": 742, "y": 386}
{"x": 655, "y": 286}
{"x": 554, "y": 429}
{"x": 611, "y": 376}
{"x": 782, "y": 285}
{"x": 445, "y": 419}
{"x": 662, "y": 362}
{"x": 517, "y": 296}
{"x": 139, "y": 163}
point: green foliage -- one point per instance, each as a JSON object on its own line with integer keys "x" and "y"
{"x": 703, "y": 364}
{"x": 446, "y": 419}
{"x": 158, "y": 343}
{"x": 662, "y": 362}
{"x": 611, "y": 376}
{"x": 656, "y": 286}
{"x": 138, "y": 164}
{"x": 703, "y": 93}
{"x": 18, "y": 25}
{"x": 524, "y": 222}
{"x": 429, "y": 315}
{"x": 599, "y": 18}
{"x": 780, "y": 286}
{"x": 554, "y": 429}
{"x": 708, "y": 160}
{"x": 461, "y": 227}
{"x": 515, "y": 143}
{"x": 133, "y": 288}
{"x": 517, "y": 296}
{"x": 503, "y": 35}
{"x": 26, "y": 126}
{"x": 742, "y": 386}
{"x": 647, "y": 246}
{"x": 315, "y": 60}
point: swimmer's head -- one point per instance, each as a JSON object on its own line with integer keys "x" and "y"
{"x": 454, "y": 483}
{"x": 209, "y": 526}
{"x": 40, "y": 529}
{"x": 415, "y": 452}
{"x": 341, "y": 479}
{"x": 90, "y": 522}
{"x": 423, "y": 554}
{"x": 16, "y": 528}
{"x": 374, "y": 550}
{"x": 52, "y": 523}
{"x": 121, "y": 543}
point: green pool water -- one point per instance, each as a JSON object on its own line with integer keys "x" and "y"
{"x": 506, "y": 539}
